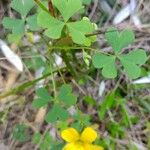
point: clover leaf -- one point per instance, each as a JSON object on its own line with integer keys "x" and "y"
{"x": 107, "y": 63}
{"x": 32, "y": 22}
{"x": 56, "y": 112}
{"x": 67, "y": 8}
{"x": 130, "y": 61}
{"x": 18, "y": 25}
{"x": 43, "y": 98}
{"x": 66, "y": 95}
{"x": 22, "y": 6}
{"x": 54, "y": 27}
{"x": 78, "y": 30}
{"x": 64, "y": 98}
{"x": 119, "y": 40}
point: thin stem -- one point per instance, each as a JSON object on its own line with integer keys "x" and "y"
{"x": 60, "y": 73}
{"x": 24, "y": 86}
{"x": 97, "y": 32}
{"x": 67, "y": 62}
{"x": 77, "y": 48}
{"x": 53, "y": 81}
{"x": 41, "y": 5}
{"x": 48, "y": 45}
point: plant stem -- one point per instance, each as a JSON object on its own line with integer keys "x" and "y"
{"x": 41, "y": 5}
{"x": 24, "y": 86}
{"x": 78, "y": 48}
{"x": 53, "y": 80}
{"x": 66, "y": 60}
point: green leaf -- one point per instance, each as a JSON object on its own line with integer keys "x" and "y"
{"x": 106, "y": 105}
{"x": 57, "y": 146}
{"x": 131, "y": 61}
{"x": 20, "y": 133}
{"x": 36, "y": 138}
{"x": 107, "y": 63}
{"x": 57, "y": 112}
{"x": 82, "y": 119}
{"x": 78, "y": 31}
{"x": 115, "y": 129}
{"x": 46, "y": 142}
{"x": 14, "y": 38}
{"x": 89, "y": 100}
{"x": 16, "y": 25}
{"x": 67, "y": 96}
{"x": 43, "y": 98}
{"x": 131, "y": 69}
{"x": 86, "y": 2}
{"x": 32, "y": 22}
{"x": 65, "y": 89}
{"x": 137, "y": 56}
{"x": 51, "y": 116}
{"x": 54, "y": 27}
{"x": 67, "y": 8}
{"x": 39, "y": 102}
{"x": 42, "y": 92}
{"x": 22, "y": 6}
{"x": 119, "y": 40}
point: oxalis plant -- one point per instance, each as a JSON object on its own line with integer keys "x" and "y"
{"x": 63, "y": 34}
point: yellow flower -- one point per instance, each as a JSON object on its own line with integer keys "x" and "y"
{"x": 81, "y": 141}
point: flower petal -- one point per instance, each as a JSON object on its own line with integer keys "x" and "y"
{"x": 88, "y": 135}
{"x": 74, "y": 146}
{"x": 70, "y": 135}
{"x": 93, "y": 147}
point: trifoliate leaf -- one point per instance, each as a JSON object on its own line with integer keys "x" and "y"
{"x": 67, "y": 96}
{"x": 131, "y": 61}
{"x": 16, "y": 25}
{"x": 32, "y": 22}
{"x": 43, "y": 98}
{"x": 54, "y": 27}
{"x": 107, "y": 63}
{"x": 56, "y": 112}
{"x": 78, "y": 30}
{"x": 67, "y": 8}
{"x": 22, "y": 6}
{"x": 119, "y": 40}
